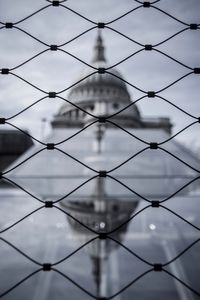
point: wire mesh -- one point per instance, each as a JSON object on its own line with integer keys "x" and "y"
{"x": 154, "y": 146}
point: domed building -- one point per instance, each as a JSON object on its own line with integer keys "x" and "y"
{"x": 103, "y": 95}
{"x": 101, "y": 174}
{"x": 85, "y": 146}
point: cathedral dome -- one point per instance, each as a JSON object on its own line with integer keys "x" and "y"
{"x": 99, "y": 94}
{"x": 97, "y": 85}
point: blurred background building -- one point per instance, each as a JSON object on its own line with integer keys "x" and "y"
{"x": 12, "y": 144}
{"x": 106, "y": 203}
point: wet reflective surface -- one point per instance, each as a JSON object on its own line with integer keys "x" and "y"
{"x": 102, "y": 267}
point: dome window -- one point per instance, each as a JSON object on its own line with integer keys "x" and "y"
{"x": 115, "y": 208}
{"x": 77, "y": 113}
{"x": 115, "y": 105}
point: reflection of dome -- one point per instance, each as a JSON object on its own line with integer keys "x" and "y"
{"x": 101, "y": 214}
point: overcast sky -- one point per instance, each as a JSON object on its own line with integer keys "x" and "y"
{"x": 54, "y": 71}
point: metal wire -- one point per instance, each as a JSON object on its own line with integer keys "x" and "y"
{"x": 98, "y": 173}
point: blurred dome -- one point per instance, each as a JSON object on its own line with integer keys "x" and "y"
{"x": 99, "y": 94}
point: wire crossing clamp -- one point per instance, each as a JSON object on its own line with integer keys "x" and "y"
{"x": 153, "y": 146}
{"x": 46, "y": 267}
